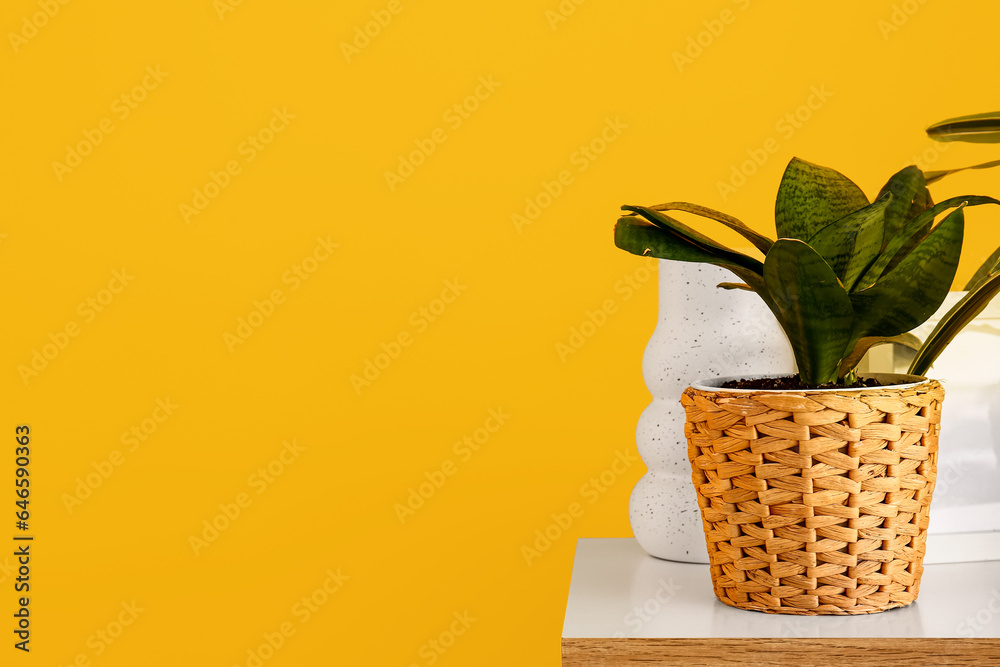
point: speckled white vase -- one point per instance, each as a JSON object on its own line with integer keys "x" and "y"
{"x": 702, "y": 332}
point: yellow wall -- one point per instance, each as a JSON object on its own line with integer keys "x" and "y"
{"x": 313, "y": 197}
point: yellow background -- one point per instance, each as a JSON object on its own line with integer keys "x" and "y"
{"x": 493, "y": 347}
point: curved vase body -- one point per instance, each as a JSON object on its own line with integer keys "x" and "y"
{"x": 702, "y": 332}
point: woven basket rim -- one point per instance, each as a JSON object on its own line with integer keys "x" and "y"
{"x": 899, "y": 380}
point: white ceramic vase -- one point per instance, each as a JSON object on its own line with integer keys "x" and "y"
{"x": 702, "y": 332}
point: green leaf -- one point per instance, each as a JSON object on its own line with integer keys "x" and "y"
{"x": 933, "y": 176}
{"x": 871, "y": 225}
{"x": 852, "y": 243}
{"x": 759, "y": 241}
{"x": 905, "y": 185}
{"x": 953, "y": 322}
{"x": 910, "y": 293}
{"x": 914, "y": 232}
{"x": 642, "y": 238}
{"x": 921, "y": 202}
{"x": 988, "y": 268}
{"x": 813, "y": 308}
{"x": 861, "y": 348}
{"x": 911, "y": 242}
{"x": 810, "y": 197}
{"x": 666, "y": 222}
{"x": 981, "y": 128}
{"x": 732, "y": 286}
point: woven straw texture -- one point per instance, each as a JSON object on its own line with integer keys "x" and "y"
{"x": 815, "y": 503}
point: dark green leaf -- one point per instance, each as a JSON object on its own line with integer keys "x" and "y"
{"x": 850, "y": 244}
{"x": 759, "y": 241}
{"x": 666, "y": 222}
{"x": 642, "y": 238}
{"x": 910, "y": 293}
{"x": 871, "y": 223}
{"x": 914, "y": 232}
{"x": 810, "y": 197}
{"x": 988, "y": 268}
{"x": 911, "y": 242}
{"x": 905, "y": 185}
{"x": 953, "y": 322}
{"x": 921, "y": 202}
{"x": 981, "y": 128}
{"x": 813, "y": 307}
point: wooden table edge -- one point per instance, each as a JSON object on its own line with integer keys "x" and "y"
{"x": 760, "y": 652}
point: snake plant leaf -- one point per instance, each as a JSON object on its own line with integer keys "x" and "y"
{"x": 810, "y": 197}
{"x": 915, "y": 231}
{"x": 666, "y": 222}
{"x": 953, "y": 322}
{"x": 642, "y": 238}
{"x": 910, "y": 293}
{"x": 852, "y": 243}
{"x": 934, "y": 176}
{"x": 639, "y": 237}
{"x": 906, "y": 185}
{"x": 980, "y": 128}
{"x": 925, "y": 228}
{"x": 921, "y": 202}
{"x": 813, "y": 308}
{"x": 868, "y": 243}
{"x": 862, "y": 346}
{"x": 983, "y": 273}
{"x": 759, "y": 241}
{"x": 908, "y": 245}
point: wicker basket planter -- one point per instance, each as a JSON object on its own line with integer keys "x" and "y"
{"x": 815, "y": 502}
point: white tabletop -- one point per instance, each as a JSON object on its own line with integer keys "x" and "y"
{"x": 618, "y": 590}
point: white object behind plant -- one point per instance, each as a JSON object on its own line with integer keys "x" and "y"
{"x": 967, "y": 494}
{"x": 702, "y": 332}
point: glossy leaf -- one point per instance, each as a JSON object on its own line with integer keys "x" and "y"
{"x": 666, "y": 222}
{"x": 852, "y": 243}
{"x": 642, "y": 238}
{"x": 988, "y": 268}
{"x": 910, "y": 293}
{"x": 871, "y": 226}
{"x": 905, "y": 185}
{"x": 810, "y": 197}
{"x": 813, "y": 308}
{"x": 759, "y": 241}
{"x": 913, "y": 233}
{"x": 912, "y": 242}
{"x": 639, "y": 237}
{"x": 981, "y": 128}
{"x": 953, "y": 322}
{"x": 921, "y": 202}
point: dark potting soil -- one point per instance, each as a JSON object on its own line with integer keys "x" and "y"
{"x": 792, "y": 383}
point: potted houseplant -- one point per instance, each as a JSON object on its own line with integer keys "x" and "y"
{"x": 815, "y": 489}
